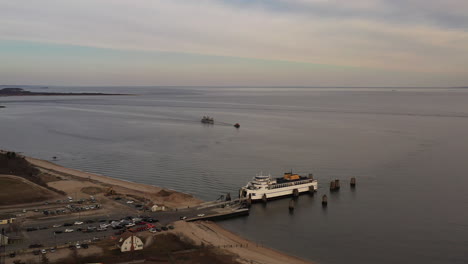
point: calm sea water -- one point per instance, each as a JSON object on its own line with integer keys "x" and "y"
{"x": 406, "y": 147}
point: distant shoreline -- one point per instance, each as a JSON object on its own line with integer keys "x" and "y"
{"x": 5, "y": 92}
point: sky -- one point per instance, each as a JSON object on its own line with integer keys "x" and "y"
{"x": 234, "y": 42}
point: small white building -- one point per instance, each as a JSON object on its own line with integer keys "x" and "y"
{"x": 156, "y": 208}
{"x": 7, "y": 219}
{"x": 130, "y": 242}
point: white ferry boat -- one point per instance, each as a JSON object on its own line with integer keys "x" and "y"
{"x": 263, "y": 187}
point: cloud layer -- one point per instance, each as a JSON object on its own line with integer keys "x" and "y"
{"x": 361, "y": 38}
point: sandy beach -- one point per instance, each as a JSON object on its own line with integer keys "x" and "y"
{"x": 211, "y": 234}
{"x": 79, "y": 179}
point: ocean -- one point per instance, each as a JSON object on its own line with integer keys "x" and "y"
{"x": 407, "y": 148}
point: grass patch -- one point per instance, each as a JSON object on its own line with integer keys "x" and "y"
{"x": 15, "y": 191}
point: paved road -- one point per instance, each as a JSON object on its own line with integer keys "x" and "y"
{"x": 47, "y": 238}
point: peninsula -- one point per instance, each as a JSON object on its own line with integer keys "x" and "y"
{"x": 14, "y": 91}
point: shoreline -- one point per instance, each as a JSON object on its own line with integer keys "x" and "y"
{"x": 201, "y": 232}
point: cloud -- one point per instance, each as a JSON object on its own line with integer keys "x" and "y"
{"x": 394, "y": 35}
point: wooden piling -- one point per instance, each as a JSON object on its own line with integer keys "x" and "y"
{"x": 332, "y": 186}
{"x": 311, "y": 176}
{"x": 296, "y": 193}
{"x": 324, "y": 200}
{"x": 228, "y": 197}
{"x": 291, "y": 205}
{"x": 353, "y": 182}
{"x": 337, "y": 185}
{"x": 264, "y": 198}
{"x": 311, "y": 190}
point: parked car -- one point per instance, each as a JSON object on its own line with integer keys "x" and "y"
{"x": 12, "y": 254}
{"x": 67, "y": 224}
{"x": 58, "y": 232}
{"x": 200, "y": 215}
{"x": 170, "y": 227}
{"x": 183, "y": 217}
{"x": 84, "y": 246}
{"x": 164, "y": 228}
{"x": 35, "y": 245}
{"x": 56, "y": 225}
{"x": 43, "y": 251}
{"x": 36, "y": 252}
{"x": 78, "y": 223}
{"x": 68, "y": 230}
{"x": 153, "y": 230}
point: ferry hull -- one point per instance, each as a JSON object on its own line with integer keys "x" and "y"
{"x": 272, "y": 194}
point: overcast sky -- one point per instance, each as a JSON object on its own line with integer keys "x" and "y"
{"x": 234, "y": 42}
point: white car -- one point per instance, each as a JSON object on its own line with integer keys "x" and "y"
{"x": 130, "y": 202}
{"x": 68, "y": 230}
{"x": 153, "y": 230}
{"x": 78, "y": 245}
{"x": 201, "y": 215}
{"x": 78, "y": 223}
{"x": 130, "y": 225}
{"x": 57, "y": 225}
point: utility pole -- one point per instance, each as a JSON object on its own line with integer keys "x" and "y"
{"x": 2, "y": 247}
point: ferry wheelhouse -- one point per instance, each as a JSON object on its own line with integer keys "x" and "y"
{"x": 264, "y": 187}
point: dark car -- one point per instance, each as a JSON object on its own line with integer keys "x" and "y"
{"x": 164, "y": 228}
{"x": 36, "y": 252}
{"x": 89, "y": 221}
{"x": 102, "y": 220}
{"x": 58, "y": 231}
{"x": 71, "y": 246}
{"x": 84, "y": 245}
{"x": 12, "y": 254}
{"x": 68, "y": 224}
{"x": 29, "y": 229}
{"x": 170, "y": 227}
{"x": 35, "y": 245}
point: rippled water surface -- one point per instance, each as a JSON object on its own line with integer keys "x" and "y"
{"x": 406, "y": 147}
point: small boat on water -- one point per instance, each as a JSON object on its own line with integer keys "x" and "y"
{"x": 207, "y": 120}
{"x": 263, "y": 187}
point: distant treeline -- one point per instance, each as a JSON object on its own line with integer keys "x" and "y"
{"x": 21, "y": 92}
